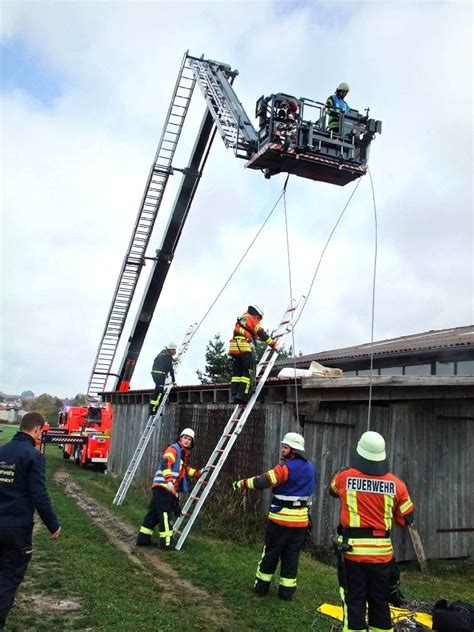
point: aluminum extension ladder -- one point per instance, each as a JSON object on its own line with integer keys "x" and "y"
{"x": 232, "y": 121}
{"x": 150, "y": 425}
{"x": 134, "y": 260}
{"x": 231, "y": 431}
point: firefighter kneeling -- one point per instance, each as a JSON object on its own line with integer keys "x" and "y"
{"x": 371, "y": 499}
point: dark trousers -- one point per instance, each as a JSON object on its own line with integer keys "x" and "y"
{"x": 15, "y": 555}
{"x": 241, "y": 383}
{"x": 157, "y": 393}
{"x": 163, "y": 506}
{"x": 285, "y": 544}
{"x": 365, "y": 583}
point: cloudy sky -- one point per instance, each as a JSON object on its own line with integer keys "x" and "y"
{"x": 85, "y": 89}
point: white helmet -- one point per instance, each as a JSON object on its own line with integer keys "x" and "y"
{"x": 172, "y": 345}
{"x": 257, "y": 309}
{"x": 294, "y": 440}
{"x": 188, "y": 432}
{"x": 343, "y": 87}
{"x": 371, "y": 446}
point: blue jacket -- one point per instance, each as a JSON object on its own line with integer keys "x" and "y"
{"x": 301, "y": 482}
{"x": 22, "y": 485}
{"x": 159, "y": 478}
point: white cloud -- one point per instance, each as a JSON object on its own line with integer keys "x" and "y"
{"x": 73, "y": 174}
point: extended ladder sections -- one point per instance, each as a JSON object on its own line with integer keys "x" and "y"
{"x": 150, "y": 204}
{"x": 150, "y": 425}
{"x": 231, "y": 431}
{"x": 215, "y": 80}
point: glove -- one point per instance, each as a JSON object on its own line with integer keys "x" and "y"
{"x": 273, "y": 345}
{"x": 170, "y": 487}
{"x": 237, "y": 484}
{"x": 205, "y": 469}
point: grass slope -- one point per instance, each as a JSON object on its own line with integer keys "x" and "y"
{"x": 82, "y": 582}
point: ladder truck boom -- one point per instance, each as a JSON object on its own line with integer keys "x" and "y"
{"x": 292, "y": 140}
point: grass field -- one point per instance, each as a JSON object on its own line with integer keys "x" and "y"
{"x": 92, "y": 578}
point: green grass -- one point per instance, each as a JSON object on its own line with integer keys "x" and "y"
{"x": 110, "y": 593}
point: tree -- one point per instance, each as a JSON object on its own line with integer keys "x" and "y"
{"x": 48, "y": 406}
{"x": 79, "y": 400}
{"x": 218, "y": 364}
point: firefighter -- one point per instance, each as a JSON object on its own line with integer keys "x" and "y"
{"x": 22, "y": 490}
{"x": 171, "y": 478}
{"x": 162, "y": 366}
{"x": 247, "y": 329}
{"x": 293, "y": 482}
{"x": 372, "y": 499}
{"x": 336, "y": 104}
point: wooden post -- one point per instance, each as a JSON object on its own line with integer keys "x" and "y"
{"x": 418, "y": 546}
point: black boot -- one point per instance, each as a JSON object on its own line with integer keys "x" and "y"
{"x": 143, "y": 539}
{"x": 285, "y": 593}
{"x": 261, "y": 588}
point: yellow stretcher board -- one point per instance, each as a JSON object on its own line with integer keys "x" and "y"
{"x": 398, "y": 614}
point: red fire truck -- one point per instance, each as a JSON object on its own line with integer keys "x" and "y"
{"x": 91, "y": 423}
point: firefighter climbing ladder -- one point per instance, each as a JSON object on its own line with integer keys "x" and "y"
{"x": 134, "y": 260}
{"x": 150, "y": 425}
{"x": 231, "y": 431}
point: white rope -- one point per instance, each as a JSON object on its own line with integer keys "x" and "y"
{"x": 239, "y": 262}
{"x": 373, "y": 303}
{"x": 291, "y": 301}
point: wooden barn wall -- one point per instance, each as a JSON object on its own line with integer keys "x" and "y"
{"x": 429, "y": 445}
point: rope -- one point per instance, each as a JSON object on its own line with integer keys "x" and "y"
{"x": 324, "y": 250}
{"x": 291, "y": 301}
{"x": 239, "y": 262}
{"x": 373, "y": 303}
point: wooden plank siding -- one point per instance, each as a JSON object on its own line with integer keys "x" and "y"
{"x": 429, "y": 445}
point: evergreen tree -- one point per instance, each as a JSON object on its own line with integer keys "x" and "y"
{"x": 218, "y": 364}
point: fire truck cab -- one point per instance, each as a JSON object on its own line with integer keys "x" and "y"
{"x": 94, "y": 425}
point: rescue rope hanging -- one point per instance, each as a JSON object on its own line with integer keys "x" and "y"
{"x": 219, "y": 294}
{"x": 291, "y": 299}
{"x": 373, "y": 302}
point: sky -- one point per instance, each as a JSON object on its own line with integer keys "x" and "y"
{"x": 85, "y": 88}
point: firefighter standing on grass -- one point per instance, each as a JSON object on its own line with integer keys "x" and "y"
{"x": 241, "y": 348}
{"x": 171, "y": 478}
{"x": 162, "y": 365}
{"x": 22, "y": 491}
{"x": 293, "y": 482}
{"x": 371, "y": 500}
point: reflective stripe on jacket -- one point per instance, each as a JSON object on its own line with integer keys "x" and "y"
{"x": 174, "y": 469}
{"x": 336, "y": 105}
{"x": 162, "y": 365}
{"x": 373, "y": 502}
{"x": 296, "y": 481}
{"x": 246, "y": 330}
{"x": 296, "y": 490}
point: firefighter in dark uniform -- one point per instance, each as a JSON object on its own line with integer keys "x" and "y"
{"x": 170, "y": 478}
{"x": 372, "y": 499}
{"x": 162, "y": 366}
{"x": 22, "y": 490}
{"x": 293, "y": 482}
{"x": 241, "y": 348}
